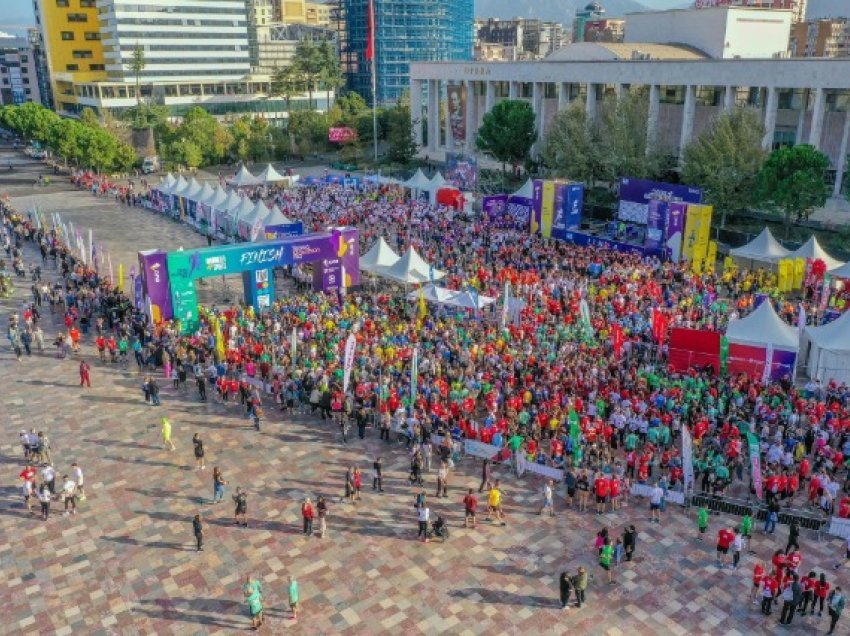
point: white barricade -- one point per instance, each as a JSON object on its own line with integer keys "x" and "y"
{"x": 480, "y": 449}
{"x": 673, "y": 496}
{"x": 523, "y": 465}
{"x": 839, "y": 527}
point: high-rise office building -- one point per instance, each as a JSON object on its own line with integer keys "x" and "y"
{"x": 821, "y": 38}
{"x": 72, "y": 47}
{"x": 405, "y": 31}
{"x": 18, "y": 71}
{"x": 182, "y": 40}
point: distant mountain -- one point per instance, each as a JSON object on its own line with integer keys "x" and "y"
{"x": 558, "y": 11}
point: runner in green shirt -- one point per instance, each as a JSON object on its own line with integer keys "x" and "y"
{"x": 606, "y": 554}
{"x": 702, "y": 521}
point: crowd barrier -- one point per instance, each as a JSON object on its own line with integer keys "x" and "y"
{"x": 673, "y": 496}
{"x": 739, "y": 507}
{"x": 839, "y": 527}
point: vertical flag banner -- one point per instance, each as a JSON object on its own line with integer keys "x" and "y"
{"x": 547, "y": 210}
{"x": 348, "y": 362}
{"x": 755, "y": 463}
{"x": 219, "y": 339}
{"x": 687, "y": 458}
{"x": 91, "y": 258}
{"x": 414, "y": 376}
{"x": 724, "y": 355}
{"x": 768, "y": 363}
{"x": 293, "y": 346}
{"x": 370, "y": 32}
{"x": 506, "y": 303}
{"x": 121, "y": 277}
{"x": 585, "y": 319}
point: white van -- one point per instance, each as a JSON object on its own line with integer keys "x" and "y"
{"x": 150, "y": 164}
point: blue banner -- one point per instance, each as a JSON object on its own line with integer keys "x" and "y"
{"x": 284, "y": 230}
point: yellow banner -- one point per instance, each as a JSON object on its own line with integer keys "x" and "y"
{"x": 704, "y": 232}
{"x": 547, "y": 209}
{"x": 711, "y": 257}
{"x": 691, "y": 236}
{"x": 799, "y": 272}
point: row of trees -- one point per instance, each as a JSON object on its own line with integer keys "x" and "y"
{"x": 316, "y": 68}
{"x": 82, "y": 142}
{"x": 727, "y": 160}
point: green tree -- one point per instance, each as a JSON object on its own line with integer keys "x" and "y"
{"x": 569, "y": 149}
{"x": 89, "y": 118}
{"x": 286, "y": 83}
{"x": 186, "y": 152}
{"x": 331, "y": 76}
{"x": 125, "y": 158}
{"x": 402, "y": 146}
{"x": 725, "y": 160}
{"x": 33, "y": 121}
{"x": 351, "y": 104}
{"x": 143, "y": 116}
{"x": 137, "y": 65}
{"x": 309, "y": 65}
{"x": 62, "y": 138}
{"x": 793, "y": 181}
{"x": 618, "y": 133}
{"x": 207, "y": 134}
{"x": 507, "y": 132}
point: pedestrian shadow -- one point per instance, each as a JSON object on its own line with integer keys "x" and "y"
{"x": 500, "y": 597}
{"x": 173, "y": 610}
{"x": 106, "y": 442}
{"x": 146, "y": 462}
{"x": 167, "y": 545}
{"x": 167, "y": 494}
{"x": 46, "y": 383}
{"x": 104, "y": 399}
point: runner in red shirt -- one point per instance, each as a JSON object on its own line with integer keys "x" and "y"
{"x": 470, "y": 505}
{"x": 724, "y": 540}
{"x": 821, "y": 591}
{"x": 808, "y": 583}
{"x": 600, "y": 487}
{"x": 758, "y": 577}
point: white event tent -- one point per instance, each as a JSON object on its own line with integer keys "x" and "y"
{"x": 252, "y": 220}
{"x": 276, "y": 217}
{"x": 829, "y": 354}
{"x": 270, "y": 175}
{"x": 410, "y": 268}
{"x": 434, "y": 294}
{"x": 379, "y": 255}
{"x": 243, "y": 178}
{"x": 763, "y": 328}
{"x": 841, "y": 272}
{"x": 813, "y": 250}
{"x": 762, "y": 249}
{"x": 526, "y": 191}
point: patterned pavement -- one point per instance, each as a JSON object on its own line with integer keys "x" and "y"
{"x": 126, "y": 564}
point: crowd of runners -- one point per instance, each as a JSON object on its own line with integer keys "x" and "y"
{"x": 544, "y": 386}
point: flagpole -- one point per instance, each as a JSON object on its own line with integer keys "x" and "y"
{"x": 372, "y": 25}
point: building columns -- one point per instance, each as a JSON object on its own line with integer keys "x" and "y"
{"x": 591, "y": 103}
{"x": 688, "y": 112}
{"x": 842, "y": 157}
{"x": 471, "y": 114}
{"x": 433, "y": 115}
{"x": 801, "y": 119}
{"x": 563, "y": 95}
{"x": 652, "y": 117}
{"x": 416, "y": 111}
{"x": 817, "y": 119}
{"x": 537, "y": 89}
{"x": 513, "y": 90}
{"x": 729, "y": 98}
{"x": 489, "y": 96}
{"x": 770, "y": 117}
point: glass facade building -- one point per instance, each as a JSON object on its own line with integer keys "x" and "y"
{"x": 405, "y": 31}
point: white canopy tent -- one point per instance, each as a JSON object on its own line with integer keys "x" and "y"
{"x": 218, "y": 196}
{"x": 192, "y": 191}
{"x": 200, "y": 208}
{"x": 410, "y": 268}
{"x": 276, "y": 217}
{"x": 764, "y": 328}
{"x": 243, "y": 178}
{"x": 223, "y": 208}
{"x": 526, "y": 191}
{"x": 841, "y": 272}
{"x": 243, "y": 209}
{"x": 418, "y": 181}
{"x": 433, "y": 294}
{"x": 379, "y": 255}
{"x": 467, "y": 300}
{"x": 437, "y": 182}
{"x": 251, "y": 221}
{"x": 270, "y": 175}
{"x": 379, "y": 179}
{"x": 166, "y": 183}
{"x": 178, "y": 186}
{"x": 762, "y": 249}
{"x": 829, "y": 354}
{"x": 813, "y": 250}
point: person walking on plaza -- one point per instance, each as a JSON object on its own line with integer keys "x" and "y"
{"x": 629, "y": 542}
{"x": 377, "y": 478}
{"x": 293, "y": 597}
{"x": 198, "y": 443}
{"x": 218, "y": 485}
{"x": 307, "y": 514}
{"x": 566, "y": 587}
{"x": 240, "y": 514}
{"x": 322, "y": 511}
{"x": 579, "y": 582}
{"x": 198, "y": 531}
{"x": 69, "y": 495}
{"x": 470, "y": 505}
{"x": 253, "y": 592}
{"x": 166, "y": 434}
{"x": 486, "y": 475}
{"x": 77, "y": 476}
{"x": 85, "y": 378}
{"x": 836, "y": 601}
{"x": 494, "y": 504}
{"x": 442, "y": 480}
{"x": 423, "y": 515}
{"x": 548, "y": 503}
{"x": 44, "y": 498}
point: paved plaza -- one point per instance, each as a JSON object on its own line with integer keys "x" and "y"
{"x": 126, "y": 563}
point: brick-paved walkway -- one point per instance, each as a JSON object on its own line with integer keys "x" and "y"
{"x": 126, "y": 563}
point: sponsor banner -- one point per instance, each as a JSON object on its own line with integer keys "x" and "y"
{"x": 479, "y": 449}
{"x": 755, "y": 464}
{"x": 635, "y": 195}
{"x": 536, "y": 207}
{"x": 456, "y": 95}
{"x": 520, "y": 209}
{"x": 153, "y": 268}
{"x": 462, "y": 171}
{"x": 580, "y": 238}
{"x": 547, "y": 211}
{"x": 341, "y": 135}
{"x": 524, "y": 466}
{"x": 285, "y": 230}
{"x": 655, "y": 223}
{"x": 494, "y": 207}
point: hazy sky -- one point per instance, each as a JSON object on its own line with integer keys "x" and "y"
{"x": 17, "y": 15}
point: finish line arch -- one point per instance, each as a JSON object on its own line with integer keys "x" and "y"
{"x": 168, "y": 278}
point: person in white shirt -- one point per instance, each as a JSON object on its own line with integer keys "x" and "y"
{"x": 548, "y": 504}
{"x": 424, "y": 514}
{"x": 69, "y": 494}
{"x": 656, "y": 494}
{"x": 44, "y": 497}
{"x": 737, "y": 546}
{"x": 77, "y": 474}
{"x": 48, "y": 476}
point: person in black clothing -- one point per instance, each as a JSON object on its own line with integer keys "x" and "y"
{"x": 377, "y": 480}
{"x": 360, "y": 417}
{"x": 485, "y": 476}
{"x": 202, "y": 386}
{"x": 629, "y": 542}
{"x": 792, "y": 596}
{"x": 566, "y": 587}
{"x": 793, "y": 536}
{"x": 198, "y": 530}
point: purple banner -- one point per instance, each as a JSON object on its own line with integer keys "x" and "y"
{"x": 569, "y": 198}
{"x": 635, "y": 195}
{"x": 272, "y": 232}
{"x": 138, "y": 293}
{"x": 676, "y": 213}
{"x": 655, "y": 223}
{"x": 782, "y": 364}
{"x": 520, "y": 210}
{"x": 588, "y": 240}
{"x": 154, "y": 275}
{"x": 494, "y": 207}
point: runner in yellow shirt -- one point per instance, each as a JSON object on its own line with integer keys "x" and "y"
{"x": 494, "y": 503}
